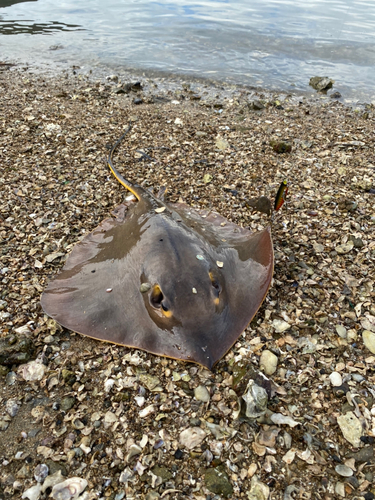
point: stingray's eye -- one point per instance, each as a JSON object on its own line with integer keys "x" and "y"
{"x": 158, "y": 301}
{"x": 216, "y": 284}
{"x": 156, "y": 297}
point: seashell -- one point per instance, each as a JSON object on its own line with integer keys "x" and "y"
{"x": 256, "y": 400}
{"x": 70, "y": 488}
{"x": 108, "y": 384}
{"x": 78, "y": 424}
{"x": 32, "y": 493}
{"x": 32, "y": 371}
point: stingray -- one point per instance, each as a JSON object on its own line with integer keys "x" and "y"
{"x": 164, "y": 278}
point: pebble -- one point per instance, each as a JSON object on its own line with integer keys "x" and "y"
{"x": 343, "y": 470}
{"x": 365, "y": 454}
{"x": 341, "y": 331}
{"x": 318, "y": 248}
{"x": 192, "y": 437}
{"x": 336, "y": 379}
{"x": 41, "y": 472}
{"x": 369, "y": 340}
{"x": 280, "y": 326}
{"x": 217, "y": 482}
{"x": 67, "y": 403}
{"x": 258, "y": 490}
{"x": 351, "y": 428}
{"x": 320, "y": 83}
{"x": 4, "y": 424}
{"x": 12, "y": 407}
{"x": 201, "y": 394}
{"x": 268, "y": 362}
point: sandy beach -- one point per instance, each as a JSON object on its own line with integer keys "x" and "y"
{"x": 129, "y": 424}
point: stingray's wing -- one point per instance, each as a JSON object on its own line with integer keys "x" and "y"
{"x": 247, "y": 268}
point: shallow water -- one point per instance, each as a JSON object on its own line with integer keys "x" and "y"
{"x": 275, "y": 45}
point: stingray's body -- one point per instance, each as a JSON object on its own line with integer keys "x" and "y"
{"x": 164, "y": 278}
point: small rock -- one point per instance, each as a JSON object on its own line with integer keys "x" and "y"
{"x": 258, "y": 490}
{"x": 366, "y": 454}
{"x": 149, "y": 381}
{"x": 67, "y": 403}
{"x": 344, "y": 248}
{"x": 351, "y": 428}
{"x": 268, "y": 362}
{"x": 41, "y": 472}
{"x": 369, "y": 340}
{"x": 335, "y": 95}
{"x": 12, "y": 407}
{"x": 4, "y": 423}
{"x": 68, "y": 376}
{"x": 221, "y": 144}
{"x": 15, "y": 350}
{"x": 201, "y": 394}
{"x": 321, "y": 83}
{"x": 162, "y": 472}
{"x": 138, "y": 101}
{"x": 256, "y": 105}
{"x": 318, "y": 248}
{"x": 281, "y": 146}
{"x": 192, "y": 437}
{"x": 341, "y": 331}
{"x": 343, "y": 470}
{"x": 280, "y": 326}
{"x": 336, "y": 379}
{"x": 217, "y": 482}
{"x": 358, "y": 242}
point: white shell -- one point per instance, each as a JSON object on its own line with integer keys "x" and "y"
{"x": 69, "y": 489}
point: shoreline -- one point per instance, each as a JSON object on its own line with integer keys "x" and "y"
{"x": 101, "y": 71}
{"x": 98, "y": 410}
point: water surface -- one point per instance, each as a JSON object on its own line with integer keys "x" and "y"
{"x": 276, "y": 44}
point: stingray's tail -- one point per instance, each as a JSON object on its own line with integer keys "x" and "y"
{"x": 127, "y": 184}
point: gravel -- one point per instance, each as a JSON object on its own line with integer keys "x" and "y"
{"x": 118, "y": 423}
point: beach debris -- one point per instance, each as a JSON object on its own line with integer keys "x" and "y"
{"x": 351, "y": 428}
{"x": 256, "y": 400}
